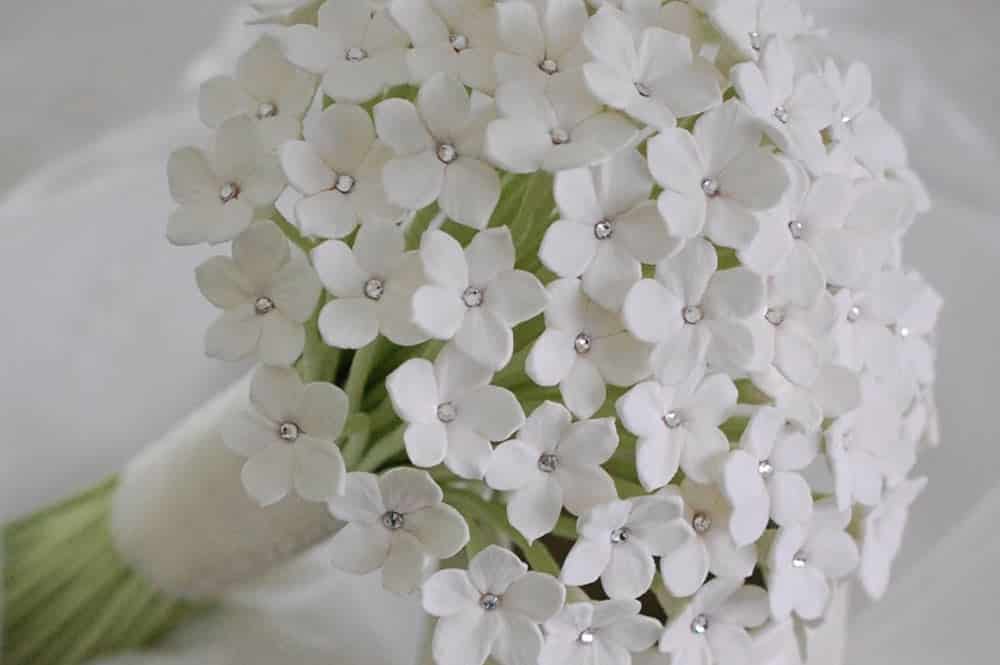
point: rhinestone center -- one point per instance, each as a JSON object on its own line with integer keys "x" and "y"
{"x": 699, "y": 626}
{"x": 549, "y": 66}
{"x": 548, "y": 463}
{"x": 288, "y": 432}
{"x": 642, "y": 89}
{"x": 374, "y": 288}
{"x": 229, "y": 192}
{"x": 447, "y": 412}
{"x": 754, "y": 40}
{"x": 710, "y": 186}
{"x": 459, "y": 42}
{"x": 604, "y": 229}
{"x": 392, "y": 520}
{"x": 620, "y": 535}
{"x": 775, "y": 316}
{"x": 559, "y": 136}
{"x": 796, "y": 228}
{"x": 586, "y": 637}
{"x": 489, "y": 601}
{"x": 853, "y": 314}
{"x": 263, "y": 305}
{"x": 781, "y": 114}
{"x": 673, "y": 420}
{"x": 692, "y": 314}
{"x": 903, "y": 332}
{"x": 800, "y": 560}
{"x": 446, "y": 153}
{"x": 473, "y": 296}
{"x": 765, "y": 468}
{"x": 583, "y": 343}
{"x": 355, "y": 54}
{"x": 345, "y": 184}
{"x": 701, "y": 522}
{"x": 266, "y": 110}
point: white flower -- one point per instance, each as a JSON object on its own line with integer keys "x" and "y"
{"x": 338, "y": 170}
{"x": 553, "y": 462}
{"x": 793, "y": 107}
{"x": 268, "y": 292}
{"x": 763, "y": 478}
{"x": 289, "y": 435}
{"x": 713, "y": 627}
{"x": 618, "y": 540}
{"x": 857, "y": 445}
{"x": 396, "y": 522}
{"x": 797, "y": 339}
{"x": 359, "y": 51}
{"x": 451, "y": 412}
{"x": 219, "y": 194}
{"x": 882, "y": 535}
{"x": 600, "y": 633}
{"x": 852, "y": 94}
{"x": 584, "y": 347}
{"x": 805, "y": 558}
{"x": 652, "y": 75}
{"x": 678, "y": 426}
{"x": 456, "y": 37}
{"x": 553, "y": 125}
{"x": 749, "y": 23}
{"x": 439, "y": 145}
{"x": 373, "y": 285}
{"x": 716, "y": 177}
{"x": 914, "y": 326}
{"x": 707, "y": 514}
{"x": 608, "y": 228}
{"x": 539, "y": 38}
{"x": 696, "y": 314}
{"x": 475, "y": 296}
{"x": 493, "y": 609}
{"x": 835, "y": 392}
{"x": 267, "y": 88}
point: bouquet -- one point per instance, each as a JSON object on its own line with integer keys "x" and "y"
{"x": 589, "y": 323}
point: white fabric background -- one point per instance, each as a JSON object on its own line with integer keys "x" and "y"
{"x": 102, "y": 323}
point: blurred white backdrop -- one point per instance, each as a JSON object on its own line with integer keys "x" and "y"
{"x": 102, "y": 342}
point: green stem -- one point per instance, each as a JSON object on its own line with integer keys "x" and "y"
{"x": 361, "y": 369}
{"x": 359, "y": 429}
{"x": 384, "y": 450}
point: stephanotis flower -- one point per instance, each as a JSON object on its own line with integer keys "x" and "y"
{"x": 584, "y": 347}
{"x": 290, "y": 436}
{"x": 618, "y": 540}
{"x": 750, "y": 23}
{"x": 652, "y": 74}
{"x": 881, "y": 535}
{"x": 338, "y": 170}
{"x": 707, "y": 514}
{"x": 396, "y": 522}
{"x": 539, "y": 38}
{"x": 451, "y": 412}
{"x": 763, "y": 479}
{"x": 695, "y": 314}
{"x": 438, "y": 145}
{"x": 794, "y": 107}
{"x": 715, "y": 178}
{"x": 857, "y": 445}
{"x": 553, "y": 462}
{"x": 267, "y": 88}
{"x": 359, "y": 51}
{"x": 475, "y": 296}
{"x": 796, "y": 338}
{"x": 493, "y": 609}
{"x": 553, "y": 125}
{"x": 713, "y": 627}
{"x": 268, "y": 291}
{"x": 373, "y": 284}
{"x": 678, "y": 426}
{"x": 608, "y": 228}
{"x": 805, "y": 559}
{"x": 220, "y": 193}
{"x": 456, "y": 37}
{"x": 606, "y": 632}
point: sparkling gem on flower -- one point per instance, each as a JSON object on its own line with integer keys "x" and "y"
{"x": 447, "y": 412}
{"x": 699, "y": 625}
{"x": 903, "y": 331}
{"x": 765, "y": 469}
{"x": 586, "y": 637}
{"x": 604, "y": 229}
{"x": 447, "y": 153}
{"x": 355, "y": 54}
{"x": 800, "y": 560}
{"x": 559, "y": 136}
{"x": 775, "y": 316}
{"x": 755, "y": 42}
{"x": 701, "y": 522}
{"x": 583, "y": 343}
{"x": 392, "y": 520}
{"x": 642, "y": 89}
{"x": 846, "y": 119}
{"x": 489, "y": 601}
{"x": 692, "y": 314}
{"x": 621, "y": 535}
{"x": 781, "y": 115}
{"x": 374, "y": 288}
{"x": 263, "y": 305}
{"x": 229, "y": 192}
{"x": 673, "y": 420}
{"x": 853, "y": 314}
{"x": 288, "y": 432}
{"x": 266, "y": 110}
{"x": 473, "y": 297}
{"x": 459, "y": 42}
{"x": 345, "y": 184}
{"x": 548, "y": 462}
{"x": 549, "y": 66}
{"x": 796, "y": 228}
{"x": 710, "y": 186}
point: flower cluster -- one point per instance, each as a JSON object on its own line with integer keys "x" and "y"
{"x": 617, "y": 286}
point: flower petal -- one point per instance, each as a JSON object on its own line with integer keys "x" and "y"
{"x": 583, "y": 390}
{"x": 441, "y": 529}
{"x": 630, "y": 571}
{"x": 513, "y": 465}
{"x": 319, "y": 472}
{"x": 349, "y": 323}
{"x": 404, "y": 567}
{"x": 494, "y": 569}
{"x": 361, "y": 501}
{"x": 414, "y": 391}
{"x": 552, "y": 358}
{"x": 438, "y": 311}
{"x": 359, "y": 548}
{"x": 535, "y": 595}
{"x": 534, "y": 509}
{"x": 449, "y": 592}
{"x": 516, "y": 296}
{"x": 470, "y": 192}
{"x": 468, "y": 454}
{"x": 491, "y": 411}
{"x": 267, "y": 476}
{"x": 685, "y": 569}
{"x": 426, "y": 444}
{"x": 414, "y": 181}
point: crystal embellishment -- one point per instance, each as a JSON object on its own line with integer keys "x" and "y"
{"x": 765, "y": 469}
{"x": 701, "y": 522}
{"x": 586, "y": 637}
{"x": 447, "y": 412}
{"x": 604, "y": 229}
{"x": 699, "y": 626}
{"x": 489, "y": 601}
{"x": 355, "y": 54}
{"x": 548, "y": 463}
{"x": 392, "y": 520}
{"x": 447, "y": 153}
{"x": 800, "y": 560}
{"x": 345, "y": 184}
{"x": 266, "y": 110}
{"x": 549, "y": 66}
{"x": 781, "y": 115}
{"x": 775, "y": 316}
{"x": 559, "y": 136}
{"x": 288, "y": 432}
{"x": 710, "y": 186}
{"x": 229, "y": 192}
{"x": 642, "y": 89}
{"x": 459, "y": 42}
{"x": 473, "y": 297}
{"x": 673, "y": 420}
{"x": 583, "y": 343}
{"x": 796, "y": 228}
{"x": 853, "y": 314}
{"x": 754, "y": 40}
{"x": 374, "y": 288}
{"x": 692, "y": 314}
{"x": 263, "y": 305}
{"x": 620, "y": 535}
